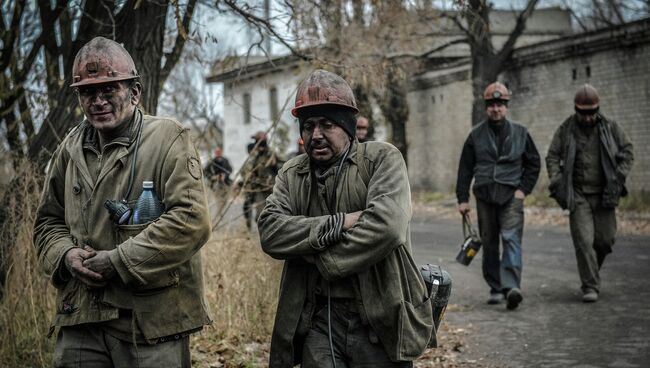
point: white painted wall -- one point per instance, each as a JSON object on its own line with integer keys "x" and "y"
{"x": 237, "y": 134}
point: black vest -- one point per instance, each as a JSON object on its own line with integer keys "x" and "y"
{"x": 490, "y": 167}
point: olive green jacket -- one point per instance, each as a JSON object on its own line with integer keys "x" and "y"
{"x": 375, "y": 253}
{"x": 617, "y": 157}
{"x": 158, "y": 263}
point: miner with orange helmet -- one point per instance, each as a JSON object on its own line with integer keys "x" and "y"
{"x": 339, "y": 218}
{"x": 588, "y": 161}
{"x": 120, "y": 225}
{"x": 500, "y": 156}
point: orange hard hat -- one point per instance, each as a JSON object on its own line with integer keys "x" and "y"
{"x": 586, "y": 97}
{"x": 102, "y": 61}
{"x": 324, "y": 88}
{"x": 496, "y": 91}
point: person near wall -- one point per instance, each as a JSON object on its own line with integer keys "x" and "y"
{"x": 129, "y": 293}
{"x": 339, "y": 218}
{"x": 501, "y": 157}
{"x": 363, "y": 126}
{"x": 258, "y": 176}
{"x": 588, "y": 161}
{"x": 218, "y": 171}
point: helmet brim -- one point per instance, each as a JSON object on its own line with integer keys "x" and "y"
{"x": 296, "y": 110}
{"x": 101, "y": 80}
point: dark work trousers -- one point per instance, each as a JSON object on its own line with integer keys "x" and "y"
{"x": 593, "y": 230}
{"x": 502, "y": 272}
{"x": 355, "y": 345}
{"x": 89, "y": 346}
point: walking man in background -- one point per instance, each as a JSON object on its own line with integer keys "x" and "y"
{"x": 363, "y": 125}
{"x": 588, "y": 160}
{"x": 129, "y": 295}
{"x": 501, "y": 157}
{"x": 258, "y": 176}
{"x": 339, "y": 218}
{"x": 218, "y": 170}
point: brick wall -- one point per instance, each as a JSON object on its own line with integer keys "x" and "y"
{"x": 543, "y": 82}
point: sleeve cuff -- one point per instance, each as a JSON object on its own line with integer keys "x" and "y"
{"x": 121, "y": 269}
{"x": 331, "y": 232}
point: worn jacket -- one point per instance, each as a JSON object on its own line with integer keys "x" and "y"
{"x": 616, "y": 158}
{"x": 498, "y": 163}
{"x": 158, "y": 263}
{"x": 260, "y": 170}
{"x": 375, "y": 254}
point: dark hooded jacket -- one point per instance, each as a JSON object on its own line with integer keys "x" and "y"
{"x": 616, "y": 157}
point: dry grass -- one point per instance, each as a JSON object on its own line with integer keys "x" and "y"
{"x": 28, "y": 300}
{"x": 241, "y": 291}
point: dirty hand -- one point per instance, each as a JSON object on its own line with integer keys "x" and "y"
{"x": 463, "y": 208}
{"x": 350, "y": 220}
{"x": 74, "y": 259}
{"x": 100, "y": 263}
{"x": 519, "y": 194}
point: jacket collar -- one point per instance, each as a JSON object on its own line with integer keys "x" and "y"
{"x": 85, "y": 136}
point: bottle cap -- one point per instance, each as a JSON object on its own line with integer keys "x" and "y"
{"x": 147, "y": 184}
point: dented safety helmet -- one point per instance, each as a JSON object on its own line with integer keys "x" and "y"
{"x": 102, "y": 61}
{"x": 324, "y": 88}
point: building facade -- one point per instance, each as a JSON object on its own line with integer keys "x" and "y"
{"x": 543, "y": 80}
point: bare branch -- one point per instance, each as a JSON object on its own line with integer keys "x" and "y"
{"x": 263, "y": 23}
{"x": 424, "y": 54}
{"x": 520, "y": 26}
{"x": 172, "y": 58}
{"x": 11, "y": 35}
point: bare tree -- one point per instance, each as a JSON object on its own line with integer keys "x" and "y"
{"x": 487, "y": 61}
{"x": 57, "y": 31}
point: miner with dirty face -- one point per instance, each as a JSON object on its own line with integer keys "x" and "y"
{"x": 339, "y": 218}
{"x": 129, "y": 292}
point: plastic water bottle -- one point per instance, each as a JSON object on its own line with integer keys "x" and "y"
{"x": 148, "y": 207}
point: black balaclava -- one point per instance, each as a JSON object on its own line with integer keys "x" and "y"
{"x": 339, "y": 115}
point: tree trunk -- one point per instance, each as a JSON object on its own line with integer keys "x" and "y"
{"x": 395, "y": 109}
{"x": 143, "y": 33}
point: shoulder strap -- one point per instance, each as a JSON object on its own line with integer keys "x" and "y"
{"x": 362, "y": 165}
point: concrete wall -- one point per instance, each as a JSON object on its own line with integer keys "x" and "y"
{"x": 237, "y": 133}
{"x": 543, "y": 83}
{"x": 438, "y": 125}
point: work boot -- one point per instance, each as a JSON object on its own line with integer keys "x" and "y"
{"x": 589, "y": 296}
{"x": 495, "y": 298}
{"x": 514, "y": 297}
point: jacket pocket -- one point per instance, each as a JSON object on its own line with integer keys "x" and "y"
{"x": 416, "y": 328}
{"x": 153, "y": 286}
{"x": 125, "y": 232}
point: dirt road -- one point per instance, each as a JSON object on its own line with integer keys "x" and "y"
{"x": 552, "y": 327}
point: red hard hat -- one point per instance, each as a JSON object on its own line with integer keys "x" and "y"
{"x": 496, "y": 91}
{"x": 324, "y": 88}
{"x": 586, "y": 97}
{"x": 102, "y": 61}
